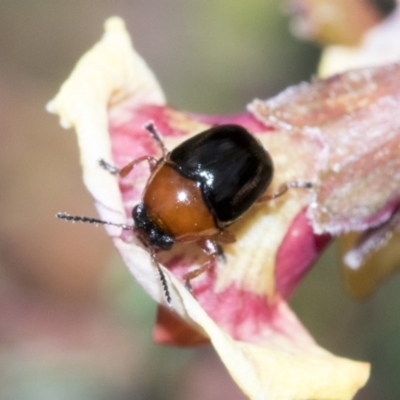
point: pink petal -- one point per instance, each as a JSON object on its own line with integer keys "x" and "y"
{"x": 355, "y": 116}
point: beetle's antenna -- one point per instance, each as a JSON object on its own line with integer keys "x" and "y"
{"x": 162, "y": 279}
{"x": 76, "y": 218}
{"x": 151, "y": 128}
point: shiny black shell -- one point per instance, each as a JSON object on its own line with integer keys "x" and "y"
{"x": 231, "y": 166}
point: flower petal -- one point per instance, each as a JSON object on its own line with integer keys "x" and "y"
{"x": 112, "y": 90}
{"x": 364, "y": 270}
{"x": 107, "y": 75}
{"x": 355, "y": 116}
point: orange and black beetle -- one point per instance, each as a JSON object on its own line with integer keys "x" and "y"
{"x": 197, "y": 190}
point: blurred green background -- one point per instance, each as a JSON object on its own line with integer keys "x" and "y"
{"x": 73, "y": 324}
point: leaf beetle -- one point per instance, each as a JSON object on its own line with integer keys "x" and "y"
{"x": 196, "y": 191}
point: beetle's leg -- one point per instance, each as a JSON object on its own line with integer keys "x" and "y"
{"x": 225, "y": 236}
{"x": 162, "y": 278}
{"x": 76, "y": 218}
{"x": 284, "y": 188}
{"x": 221, "y": 253}
{"x": 129, "y": 167}
{"x": 213, "y": 250}
{"x": 124, "y": 171}
{"x": 151, "y": 128}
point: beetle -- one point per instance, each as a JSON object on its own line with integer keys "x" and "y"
{"x": 196, "y": 191}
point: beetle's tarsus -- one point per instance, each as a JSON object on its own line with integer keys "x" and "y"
{"x": 108, "y": 167}
{"x": 189, "y": 288}
{"x": 220, "y": 253}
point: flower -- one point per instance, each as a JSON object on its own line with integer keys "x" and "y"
{"x": 341, "y": 133}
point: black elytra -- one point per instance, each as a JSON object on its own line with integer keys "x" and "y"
{"x": 230, "y": 164}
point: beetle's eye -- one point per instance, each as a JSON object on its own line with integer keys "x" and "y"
{"x": 165, "y": 242}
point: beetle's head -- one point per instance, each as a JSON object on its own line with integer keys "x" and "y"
{"x": 148, "y": 231}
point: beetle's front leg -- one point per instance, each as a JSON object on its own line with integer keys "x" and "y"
{"x": 124, "y": 171}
